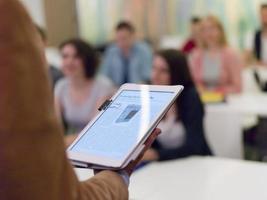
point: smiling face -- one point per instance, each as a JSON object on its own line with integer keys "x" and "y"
{"x": 160, "y": 72}
{"x": 211, "y": 33}
{"x": 72, "y": 64}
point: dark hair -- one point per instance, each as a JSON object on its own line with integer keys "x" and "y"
{"x": 263, "y": 6}
{"x": 87, "y": 53}
{"x": 41, "y": 32}
{"x": 125, "y": 25}
{"x": 178, "y": 67}
{"x": 179, "y": 70}
{"x": 195, "y": 20}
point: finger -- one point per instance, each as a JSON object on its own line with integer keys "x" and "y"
{"x": 152, "y": 137}
{"x": 157, "y": 131}
{"x": 147, "y": 144}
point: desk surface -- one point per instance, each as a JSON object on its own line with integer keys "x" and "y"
{"x": 224, "y": 122}
{"x": 197, "y": 178}
{"x": 245, "y": 104}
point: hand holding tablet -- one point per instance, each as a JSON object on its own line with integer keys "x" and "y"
{"x": 118, "y": 135}
{"x": 132, "y": 165}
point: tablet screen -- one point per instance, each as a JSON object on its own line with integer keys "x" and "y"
{"x": 124, "y": 123}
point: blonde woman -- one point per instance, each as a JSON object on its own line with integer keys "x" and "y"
{"x": 215, "y": 66}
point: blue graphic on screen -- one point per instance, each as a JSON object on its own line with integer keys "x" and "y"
{"x": 118, "y": 128}
{"x": 129, "y": 112}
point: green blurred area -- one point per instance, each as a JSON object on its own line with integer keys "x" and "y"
{"x": 156, "y": 18}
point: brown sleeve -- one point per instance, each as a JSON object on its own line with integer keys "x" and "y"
{"x": 33, "y": 164}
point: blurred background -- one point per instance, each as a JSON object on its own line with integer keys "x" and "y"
{"x": 156, "y": 19}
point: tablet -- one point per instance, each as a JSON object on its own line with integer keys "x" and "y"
{"x": 115, "y": 136}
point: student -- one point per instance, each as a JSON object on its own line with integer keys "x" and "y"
{"x": 260, "y": 40}
{"x": 195, "y": 36}
{"x": 260, "y": 48}
{"x": 127, "y": 60}
{"x": 32, "y": 154}
{"x": 215, "y": 66}
{"x": 182, "y": 128}
{"x": 80, "y": 93}
{"x": 55, "y": 74}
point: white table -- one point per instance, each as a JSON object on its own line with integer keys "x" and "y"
{"x": 223, "y": 128}
{"x": 198, "y": 178}
{"x": 224, "y": 122}
{"x": 249, "y": 104}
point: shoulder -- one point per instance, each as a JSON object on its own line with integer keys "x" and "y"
{"x": 104, "y": 86}
{"x": 194, "y": 58}
{"x": 190, "y": 100}
{"x": 55, "y": 72}
{"x": 142, "y": 46}
{"x": 191, "y": 104}
{"x": 62, "y": 83}
{"x": 103, "y": 82}
{"x": 60, "y": 87}
{"x": 231, "y": 54}
{"x": 196, "y": 54}
{"x": 112, "y": 48}
{"x": 258, "y": 33}
{"x": 190, "y": 94}
{"x": 228, "y": 51}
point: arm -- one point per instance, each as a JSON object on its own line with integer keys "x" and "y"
{"x": 235, "y": 64}
{"x": 147, "y": 63}
{"x": 58, "y": 108}
{"x": 105, "y": 64}
{"x": 195, "y": 60}
{"x": 32, "y": 153}
{"x": 250, "y": 52}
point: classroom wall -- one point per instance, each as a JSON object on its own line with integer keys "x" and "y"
{"x": 58, "y": 17}
{"x": 36, "y": 10}
{"x": 61, "y": 19}
{"x": 156, "y": 18}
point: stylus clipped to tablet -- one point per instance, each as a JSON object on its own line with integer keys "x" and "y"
{"x": 117, "y": 134}
{"x": 105, "y": 105}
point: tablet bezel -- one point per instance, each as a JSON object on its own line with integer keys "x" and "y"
{"x": 114, "y": 163}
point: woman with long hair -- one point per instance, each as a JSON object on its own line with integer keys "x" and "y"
{"x": 214, "y": 65}
{"x": 182, "y": 128}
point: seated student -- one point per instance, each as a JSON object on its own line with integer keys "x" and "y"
{"x": 182, "y": 128}
{"x": 260, "y": 47}
{"x": 215, "y": 66}
{"x": 194, "y": 39}
{"x": 80, "y": 93}
{"x": 127, "y": 60}
{"x": 260, "y": 40}
{"x": 55, "y": 74}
